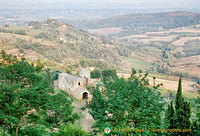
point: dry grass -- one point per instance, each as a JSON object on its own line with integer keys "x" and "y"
{"x": 106, "y": 31}
{"x": 26, "y": 38}
{"x": 173, "y": 85}
{"x": 188, "y": 30}
{"x": 187, "y": 64}
{"x": 182, "y": 40}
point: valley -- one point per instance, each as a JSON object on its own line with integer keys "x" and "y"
{"x": 60, "y": 46}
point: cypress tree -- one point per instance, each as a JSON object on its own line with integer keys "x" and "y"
{"x": 49, "y": 76}
{"x": 187, "y": 114}
{"x": 179, "y": 98}
{"x": 170, "y": 116}
{"x": 183, "y": 110}
{"x": 179, "y": 107}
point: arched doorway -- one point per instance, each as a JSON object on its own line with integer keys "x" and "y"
{"x": 85, "y": 95}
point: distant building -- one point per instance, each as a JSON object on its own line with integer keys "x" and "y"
{"x": 74, "y": 85}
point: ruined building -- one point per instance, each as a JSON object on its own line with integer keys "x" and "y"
{"x": 75, "y": 85}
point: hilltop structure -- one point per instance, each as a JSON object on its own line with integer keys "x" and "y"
{"x": 75, "y": 85}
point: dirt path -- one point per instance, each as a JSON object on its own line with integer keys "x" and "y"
{"x": 86, "y": 119}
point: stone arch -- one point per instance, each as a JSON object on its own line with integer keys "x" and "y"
{"x": 85, "y": 96}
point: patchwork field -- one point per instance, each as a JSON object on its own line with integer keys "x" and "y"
{"x": 137, "y": 63}
{"x": 170, "y": 84}
{"x": 105, "y": 31}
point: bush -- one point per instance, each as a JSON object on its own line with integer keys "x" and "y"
{"x": 21, "y": 32}
{"x": 35, "y": 24}
{"x": 21, "y": 50}
{"x": 72, "y": 130}
{"x": 95, "y": 73}
{"x": 45, "y": 35}
{"x": 107, "y": 73}
{"x": 35, "y": 131}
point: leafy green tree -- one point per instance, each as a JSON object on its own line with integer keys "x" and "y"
{"x": 96, "y": 73}
{"x": 198, "y": 108}
{"x": 196, "y": 123}
{"x": 59, "y": 110}
{"x": 34, "y": 130}
{"x": 133, "y": 73}
{"x": 27, "y": 98}
{"x": 108, "y": 74}
{"x": 126, "y": 104}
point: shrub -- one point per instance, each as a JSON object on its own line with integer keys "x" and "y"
{"x": 21, "y": 50}
{"x": 96, "y": 73}
{"x": 72, "y": 130}
{"x": 21, "y": 32}
{"x": 34, "y": 131}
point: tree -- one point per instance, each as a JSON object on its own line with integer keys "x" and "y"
{"x": 187, "y": 115}
{"x": 96, "y": 73}
{"x": 179, "y": 98}
{"x": 170, "y": 116}
{"x": 26, "y": 98}
{"x": 183, "y": 110}
{"x": 126, "y": 104}
{"x": 39, "y": 64}
{"x": 196, "y": 122}
{"x": 179, "y": 106}
{"x": 108, "y": 74}
{"x": 59, "y": 110}
{"x": 180, "y": 118}
{"x": 49, "y": 76}
{"x": 72, "y": 130}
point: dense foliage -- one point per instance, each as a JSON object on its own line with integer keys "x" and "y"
{"x": 125, "y": 104}
{"x": 96, "y": 73}
{"x": 179, "y": 118}
{"x": 28, "y": 104}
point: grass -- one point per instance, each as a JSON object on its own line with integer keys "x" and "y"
{"x": 185, "y": 94}
{"x": 150, "y": 49}
{"x": 137, "y": 64}
{"x": 163, "y": 76}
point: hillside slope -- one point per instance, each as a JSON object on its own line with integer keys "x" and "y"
{"x": 58, "y": 42}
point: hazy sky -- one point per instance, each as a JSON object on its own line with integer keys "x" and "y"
{"x": 100, "y": 3}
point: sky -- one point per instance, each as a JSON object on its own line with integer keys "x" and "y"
{"x": 82, "y": 4}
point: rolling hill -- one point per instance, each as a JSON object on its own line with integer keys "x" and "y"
{"x": 141, "y": 23}
{"x": 57, "y": 42}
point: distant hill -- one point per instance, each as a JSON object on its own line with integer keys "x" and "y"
{"x": 141, "y": 23}
{"x": 58, "y": 42}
